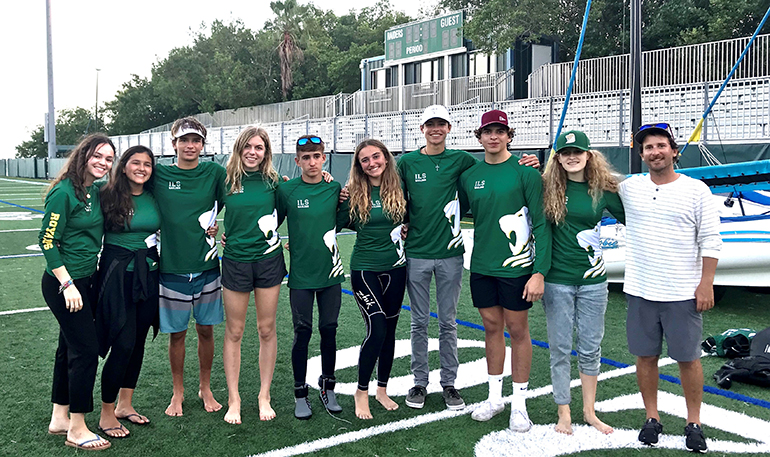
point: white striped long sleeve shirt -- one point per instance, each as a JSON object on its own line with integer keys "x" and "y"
{"x": 669, "y": 229}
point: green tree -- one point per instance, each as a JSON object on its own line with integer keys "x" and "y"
{"x": 71, "y": 126}
{"x": 288, "y": 27}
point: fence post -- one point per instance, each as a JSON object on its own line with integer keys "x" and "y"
{"x": 403, "y": 132}
{"x": 283, "y": 147}
{"x": 551, "y": 139}
{"x": 366, "y": 126}
{"x": 620, "y": 118}
{"x": 221, "y": 140}
{"x": 307, "y": 127}
{"x": 334, "y": 129}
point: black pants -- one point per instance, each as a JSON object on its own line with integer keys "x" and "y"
{"x": 379, "y": 296}
{"x": 125, "y": 359}
{"x": 329, "y": 301}
{"x": 74, "y": 369}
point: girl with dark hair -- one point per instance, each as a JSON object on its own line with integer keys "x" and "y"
{"x": 376, "y": 210}
{"x": 578, "y": 185}
{"x": 70, "y": 238}
{"x": 127, "y": 303}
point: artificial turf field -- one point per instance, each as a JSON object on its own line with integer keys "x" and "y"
{"x": 735, "y": 421}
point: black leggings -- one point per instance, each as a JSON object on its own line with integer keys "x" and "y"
{"x": 125, "y": 360}
{"x": 329, "y": 301}
{"x": 74, "y": 368}
{"x": 379, "y": 296}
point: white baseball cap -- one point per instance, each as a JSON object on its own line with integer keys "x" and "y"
{"x": 435, "y": 112}
{"x": 187, "y": 129}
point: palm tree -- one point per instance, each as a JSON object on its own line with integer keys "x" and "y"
{"x": 288, "y": 27}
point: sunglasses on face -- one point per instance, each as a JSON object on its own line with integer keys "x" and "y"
{"x": 312, "y": 139}
{"x": 662, "y": 126}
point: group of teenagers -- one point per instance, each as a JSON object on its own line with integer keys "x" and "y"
{"x": 535, "y": 237}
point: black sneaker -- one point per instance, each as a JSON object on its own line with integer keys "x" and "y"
{"x": 649, "y": 433}
{"x": 452, "y": 398}
{"x": 694, "y": 439}
{"x": 416, "y": 397}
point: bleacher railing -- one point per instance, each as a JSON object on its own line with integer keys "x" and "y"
{"x": 698, "y": 63}
{"x": 742, "y": 115}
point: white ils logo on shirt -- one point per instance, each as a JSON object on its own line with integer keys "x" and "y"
{"x": 376, "y": 204}
{"x": 303, "y": 203}
{"x": 420, "y": 177}
{"x": 479, "y": 184}
{"x": 174, "y": 185}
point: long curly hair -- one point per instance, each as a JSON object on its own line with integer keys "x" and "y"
{"x": 391, "y": 194}
{"x": 235, "y": 170}
{"x": 598, "y": 174}
{"x": 116, "y": 201}
{"x": 75, "y": 166}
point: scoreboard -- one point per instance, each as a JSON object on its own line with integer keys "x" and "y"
{"x": 426, "y": 37}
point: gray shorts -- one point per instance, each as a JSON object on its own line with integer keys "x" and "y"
{"x": 245, "y": 277}
{"x": 648, "y": 321}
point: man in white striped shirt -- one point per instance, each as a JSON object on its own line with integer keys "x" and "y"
{"x": 672, "y": 248}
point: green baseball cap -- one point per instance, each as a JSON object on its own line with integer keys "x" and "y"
{"x": 572, "y": 139}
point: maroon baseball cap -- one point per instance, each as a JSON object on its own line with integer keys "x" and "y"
{"x": 494, "y": 117}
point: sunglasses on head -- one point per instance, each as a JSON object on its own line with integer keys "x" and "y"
{"x": 312, "y": 139}
{"x": 662, "y": 126}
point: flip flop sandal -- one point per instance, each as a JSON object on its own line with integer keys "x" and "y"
{"x": 120, "y": 427}
{"x": 128, "y": 418}
{"x": 82, "y": 444}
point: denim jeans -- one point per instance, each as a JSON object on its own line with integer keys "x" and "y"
{"x": 567, "y": 308}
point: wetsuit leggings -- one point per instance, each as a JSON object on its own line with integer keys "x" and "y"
{"x": 329, "y": 301}
{"x": 379, "y": 296}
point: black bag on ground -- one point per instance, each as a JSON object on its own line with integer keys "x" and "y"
{"x": 754, "y": 369}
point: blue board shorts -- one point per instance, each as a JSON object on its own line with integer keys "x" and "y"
{"x": 199, "y": 294}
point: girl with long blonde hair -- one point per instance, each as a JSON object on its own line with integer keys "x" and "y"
{"x": 252, "y": 260}
{"x": 578, "y": 185}
{"x": 376, "y": 211}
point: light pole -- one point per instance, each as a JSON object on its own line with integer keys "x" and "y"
{"x": 96, "y": 105}
{"x": 51, "y": 113}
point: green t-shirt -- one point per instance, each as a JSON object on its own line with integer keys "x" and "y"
{"x": 433, "y": 210}
{"x": 186, "y": 199}
{"x": 72, "y": 230}
{"x": 511, "y": 236}
{"x": 139, "y": 233}
{"x": 378, "y": 242}
{"x": 311, "y": 210}
{"x": 251, "y": 220}
{"x": 577, "y": 248}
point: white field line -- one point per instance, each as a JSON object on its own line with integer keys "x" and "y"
{"x": 20, "y": 230}
{"x": 18, "y": 311}
{"x": 26, "y": 182}
{"x": 18, "y": 256}
{"x": 324, "y": 443}
{"x": 2, "y": 197}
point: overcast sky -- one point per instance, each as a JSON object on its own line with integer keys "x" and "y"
{"x": 120, "y": 38}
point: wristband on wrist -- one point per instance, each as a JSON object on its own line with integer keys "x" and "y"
{"x": 65, "y": 284}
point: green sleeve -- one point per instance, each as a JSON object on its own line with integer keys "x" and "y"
{"x": 343, "y": 216}
{"x": 280, "y": 204}
{"x": 533, "y": 191}
{"x": 221, "y": 187}
{"x": 615, "y": 206}
{"x": 465, "y": 204}
{"x": 57, "y": 206}
{"x": 467, "y": 161}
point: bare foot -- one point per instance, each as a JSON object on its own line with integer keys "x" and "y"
{"x": 385, "y": 401}
{"x": 564, "y": 424}
{"x": 361, "y": 398}
{"x": 58, "y": 426}
{"x": 175, "y": 407}
{"x": 597, "y": 424}
{"x": 233, "y": 415}
{"x": 209, "y": 403}
{"x": 266, "y": 412}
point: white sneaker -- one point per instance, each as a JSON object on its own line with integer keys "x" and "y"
{"x": 519, "y": 421}
{"x": 487, "y": 410}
